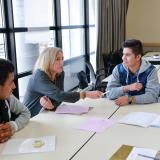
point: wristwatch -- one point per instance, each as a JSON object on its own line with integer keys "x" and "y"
{"x": 129, "y": 99}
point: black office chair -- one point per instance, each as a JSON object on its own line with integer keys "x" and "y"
{"x": 111, "y": 60}
{"x": 95, "y": 78}
{"x": 82, "y": 77}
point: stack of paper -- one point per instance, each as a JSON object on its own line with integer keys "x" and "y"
{"x": 143, "y": 119}
{"x": 72, "y": 109}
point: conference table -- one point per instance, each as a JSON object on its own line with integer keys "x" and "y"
{"x": 103, "y": 145}
{"x": 69, "y": 140}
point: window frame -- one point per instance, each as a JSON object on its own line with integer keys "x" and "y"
{"x": 9, "y": 30}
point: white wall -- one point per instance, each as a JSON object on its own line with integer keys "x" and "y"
{"x": 143, "y": 21}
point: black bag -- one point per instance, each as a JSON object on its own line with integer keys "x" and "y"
{"x": 82, "y": 77}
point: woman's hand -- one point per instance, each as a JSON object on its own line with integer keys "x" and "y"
{"x": 94, "y": 94}
{"x": 46, "y": 103}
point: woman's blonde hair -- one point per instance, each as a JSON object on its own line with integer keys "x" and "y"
{"x": 46, "y": 58}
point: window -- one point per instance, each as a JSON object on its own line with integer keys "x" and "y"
{"x": 72, "y": 12}
{"x": 25, "y": 15}
{"x": 28, "y": 30}
{"x": 2, "y": 46}
{"x": 1, "y": 15}
{"x": 92, "y": 33}
{"x": 28, "y": 47}
{"x": 92, "y": 12}
{"x": 2, "y": 36}
{"x": 73, "y": 43}
{"x": 22, "y": 83}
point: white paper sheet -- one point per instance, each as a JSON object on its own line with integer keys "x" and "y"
{"x": 156, "y": 122}
{"x": 134, "y": 155}
{"x": 143, "y": 119}
{"x": 18, "y": 146}
{"x": 72, "y": 109}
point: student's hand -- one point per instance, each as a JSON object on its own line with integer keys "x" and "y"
{"x": 135, "y": 86}
{"x": 46, "y": 103}
{"x": 121, "y": 101}
{"x": 94, "y": 94}
{"x": 5, "y": 132}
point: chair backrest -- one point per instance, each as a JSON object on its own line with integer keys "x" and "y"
{"x": 96, "y": 78}
{"x": 111, "y": 60}
{"x": 92, "y": 72}
{"x": 82, "y": 77}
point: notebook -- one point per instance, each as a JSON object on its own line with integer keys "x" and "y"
{"x": 143, "y": 119}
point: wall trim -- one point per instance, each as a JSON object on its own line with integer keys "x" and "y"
{"x": 151, "y": 44}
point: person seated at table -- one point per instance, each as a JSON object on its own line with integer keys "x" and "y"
{"x": 45, "y": 87}
{"x": 135, "y": 80}
{"x": 13, "y": 114}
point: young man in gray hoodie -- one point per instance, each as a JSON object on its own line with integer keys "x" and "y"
{"x": 135, "y": 80}
{"x": 13, "y": 114}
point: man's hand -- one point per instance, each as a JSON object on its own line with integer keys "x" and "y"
{"x": 46, "y": 103}
{"x": 121, "y": 101}
{"x": 5, "y": 132}
{"x": 135, "y": 86}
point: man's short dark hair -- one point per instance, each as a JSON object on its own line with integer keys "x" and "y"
{"x": 135, "y": 45}
{"x": 6, "y": 67}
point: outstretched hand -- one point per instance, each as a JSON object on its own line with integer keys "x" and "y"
{"x": 94, "y": 94}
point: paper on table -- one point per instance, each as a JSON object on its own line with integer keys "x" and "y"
{"x": 156, "y": 122}
{"x": 96, "y": 125}
{"x": 134, "y": 154}
{"x": 18, "y": 146}
{"x": 143, "y": 119}
{"x": 71, "y": 109}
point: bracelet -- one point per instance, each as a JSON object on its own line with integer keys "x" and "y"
{"x": 83, "y": 95}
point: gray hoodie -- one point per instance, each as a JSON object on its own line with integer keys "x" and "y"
{"x": 19, "y": 109}
{"x": 151, "y": 94}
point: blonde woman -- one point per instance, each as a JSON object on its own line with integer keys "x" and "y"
{"x": 45, "y": 87}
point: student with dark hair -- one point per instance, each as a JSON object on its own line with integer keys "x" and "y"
{"x": 13, "y": 114}
{"x": 135, "y": 80}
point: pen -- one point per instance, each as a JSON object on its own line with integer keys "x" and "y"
{"x": 153, "y": 158}
{"x": 42, "y": 109}
{"x": 105, "y": 93}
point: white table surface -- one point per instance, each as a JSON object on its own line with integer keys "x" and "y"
{"x": 68, "y": 139}
{"x": 103, "y": 145}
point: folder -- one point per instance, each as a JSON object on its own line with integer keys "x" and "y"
{"x": 122, "y": 153}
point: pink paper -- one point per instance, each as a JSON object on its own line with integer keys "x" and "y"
{"x": 96, "y": 125}
{"x": 71, "y": 109}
